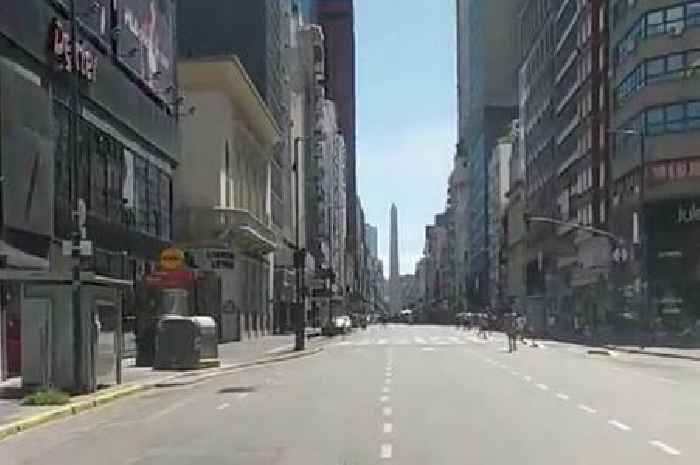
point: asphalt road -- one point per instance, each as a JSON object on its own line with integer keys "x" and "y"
{"x": 400, "y": 394}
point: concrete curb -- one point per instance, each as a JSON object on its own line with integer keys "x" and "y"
{"x": 75, "y": 408}
{"x": 655, "y": 354}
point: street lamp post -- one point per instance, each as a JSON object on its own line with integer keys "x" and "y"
{"x": 642, "y": 226}
{"x": 299, "y": 259}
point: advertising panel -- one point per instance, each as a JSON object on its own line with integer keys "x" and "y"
{"x": 146, "y": 43}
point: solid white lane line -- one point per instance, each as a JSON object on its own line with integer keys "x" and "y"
{"x": 344, "y": 343}
{"x": 527, "y": 378}
{"x": 419, "y": 340}
{"x": 619, "y": 425}
{"x": 387, "y": 411}
{"x": 386, "y": 389}
{"x": 454, "y": 339}
{"x": 586, "y": 408}
{"x": 223, "y": 406}
{"x": 665, "y": 447}
{"x": 388, "y": 428}
{"x": 562, "y": 396}
{"x": 386, "y": 451}
{"x": 428, "y": 349}
{"x": 384, "y": 399}
{"x": 544, "y": 387}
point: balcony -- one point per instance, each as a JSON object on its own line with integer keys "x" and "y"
{"x": 217, "y": 226}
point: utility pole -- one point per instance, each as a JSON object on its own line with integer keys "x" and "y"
{"x": 77, "y": 232}
{"x": 299, "y": 260}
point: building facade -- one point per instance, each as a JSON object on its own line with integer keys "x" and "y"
{"x": 653, "y": 169}
{"x": 458, "y": 232}
{"x": 337, "y": 18}
{"x": 259, "y": 34}
{"x": 563, "y": 84}
{"x": 499, "y": 183}
{"x": 222, "y": 195}
{"x": 487, "y": 95}
{"x": 101, "y": 128}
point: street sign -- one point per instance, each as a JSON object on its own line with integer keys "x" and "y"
{"x": 172, "y": 259}
{"x": 620, "y": 255}
{"x": 85, "y": 248}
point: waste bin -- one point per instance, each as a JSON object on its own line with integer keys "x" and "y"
{"x": 182, "y": 343}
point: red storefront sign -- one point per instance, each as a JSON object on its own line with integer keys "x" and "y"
{"x": 177, "y": 279}
{"x": 62, "y": 50}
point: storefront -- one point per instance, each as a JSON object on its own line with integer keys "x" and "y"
{"x": 122, "y": 161}
{"x": 674, "y": 261}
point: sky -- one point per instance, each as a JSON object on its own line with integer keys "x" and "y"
{"x": 406, "y": 116}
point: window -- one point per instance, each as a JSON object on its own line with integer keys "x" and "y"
{"x": 693, "y": 114}
{"x": 693, "y": 13}
{"x": 655, "y": 69}
{"x": 674, "y": 65}
{"x": 655, "y": 121}
{"x": 602, "y": 211}
{"x": 675, "y": 115}
{"x": 590, "y": 213}
{"x": 674, "y": 16}
{"x": 655, "y": 23}
{"x": 601, "y": 16}
{"x": 601, "y": 179}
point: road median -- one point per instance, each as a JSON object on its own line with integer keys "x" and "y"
{"x": 109, "y": 395}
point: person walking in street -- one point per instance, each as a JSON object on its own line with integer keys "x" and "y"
{"x": 510, "y": 328}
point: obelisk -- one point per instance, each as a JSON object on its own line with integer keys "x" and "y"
{"x": 394, "y": 276}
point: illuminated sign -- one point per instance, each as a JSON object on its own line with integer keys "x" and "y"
{"x": 172, "y": 259}
{"x": 85, "y": 61}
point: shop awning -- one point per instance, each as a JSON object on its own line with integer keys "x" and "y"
{"x": 17, "y": 259}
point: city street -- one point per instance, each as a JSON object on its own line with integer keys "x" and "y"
{"x": 399, "y": 394}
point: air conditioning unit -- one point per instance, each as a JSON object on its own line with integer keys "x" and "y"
{"x": 675, "y": 30}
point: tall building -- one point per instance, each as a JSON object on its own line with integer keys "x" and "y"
{"x": 487, "y": 56}
{"x": 394, "y": 273}
{"x": 338, "y": 21}
{"x": 258, "y": 32}
{"x": 654, "y": 169}
{"x": 499, "y": 184}
{"x": 563, "y": 84}
{"x": 371, "y": 235}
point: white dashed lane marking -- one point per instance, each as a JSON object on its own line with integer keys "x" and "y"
{"x": 544, "y": 387}
{"x": 527, "y": 378}
{"x": 223, "y": 406}
{"x": 586, "y": 408}
{"x": 387, "y": 411}
{"x": 619, "y": 425}
{"x": 388, "y": 428}
{"x": 386, "y": 389}
{"x": 562, "y": 396}
{"x": 384, "y": 399}
{"x": 386, "y": 451}
{"x": 665, "y": 447}
{"x": 428, "y": 349}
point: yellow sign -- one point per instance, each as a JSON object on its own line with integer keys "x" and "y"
{"x": 172, "y": 259}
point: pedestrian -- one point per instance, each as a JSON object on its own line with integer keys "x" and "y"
{"x": 509, "y": 326}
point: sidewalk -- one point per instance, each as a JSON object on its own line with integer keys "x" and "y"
{"x": 231, "y": 355}
{"x": 666, "y": 352}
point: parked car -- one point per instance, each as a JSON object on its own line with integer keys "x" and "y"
{"x": 343, "y": 324}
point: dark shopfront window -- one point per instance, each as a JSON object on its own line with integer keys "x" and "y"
{"x": 135, "y": 194}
